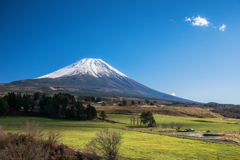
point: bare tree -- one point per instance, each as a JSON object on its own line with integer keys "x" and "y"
{"x": 138, "y": 120}
{"x": 106, "y": 143}
{"x": 172, "y": 124}
{"x": 179, "y": 126}
{"x": 164, "y": 125}
{"x": 132, "y": 119}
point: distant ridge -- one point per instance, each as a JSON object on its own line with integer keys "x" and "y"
{"x": 89, "y": 76}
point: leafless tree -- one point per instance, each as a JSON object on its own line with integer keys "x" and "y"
{"x": 172, "y": 124}
{"x": 179, "y": 126}
{"x": 106, "y": 143}
{"x": 164, "y": 125}
{"x": 138, "y": 120}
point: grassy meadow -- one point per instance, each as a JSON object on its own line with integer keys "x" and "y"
{"x": 137, "y": 145}
{"x": 198, "y": 124}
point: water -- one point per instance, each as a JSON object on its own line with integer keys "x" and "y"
{"x": 203, "y": 135}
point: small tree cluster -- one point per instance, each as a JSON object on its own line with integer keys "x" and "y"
{"x": 172, "y": 125}
{"x": 63, "y": 105}
{"x": 124, "y": 102}
{"x": 177, "y": 125}
{"x": 135, "y": 120}
{"x": 14, "y": 102}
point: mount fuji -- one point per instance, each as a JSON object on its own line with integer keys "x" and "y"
{"x": 89, "y": 66}
{"x": 92, "y": 77}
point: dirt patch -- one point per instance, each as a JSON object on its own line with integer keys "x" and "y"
{"x": 56, "y": 88}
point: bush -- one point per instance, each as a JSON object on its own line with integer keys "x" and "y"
{"x": 33, "y": 129}
{"x": 106, "y": 143}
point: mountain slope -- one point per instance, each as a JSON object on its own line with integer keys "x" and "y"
{"x": 89, "y": 77}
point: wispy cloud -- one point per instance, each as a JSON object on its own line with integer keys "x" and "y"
{"x": 187, "y": 19}
{"x": 222, "y": 28}
{"x": 198, "y": 21}
{"x": 173, "y": 94}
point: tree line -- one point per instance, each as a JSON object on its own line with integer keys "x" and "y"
{"x": 61, "y": 105}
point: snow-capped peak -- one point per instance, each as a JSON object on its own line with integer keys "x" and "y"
{"x": 91, "y": 66}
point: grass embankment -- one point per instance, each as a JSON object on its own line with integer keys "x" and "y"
{"x": 136, "y": 145}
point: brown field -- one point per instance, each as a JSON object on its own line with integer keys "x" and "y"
{"x": 161, "y": 110}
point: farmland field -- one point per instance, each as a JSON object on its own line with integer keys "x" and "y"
{"x": 137, "y": 145}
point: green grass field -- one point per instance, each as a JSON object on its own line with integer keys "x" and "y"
{"x": 213, "y": 124}
{"x": 234, "y": 120}
{"x": 137, "y": 145}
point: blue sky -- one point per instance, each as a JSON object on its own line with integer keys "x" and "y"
{"x": 170, "y": 46}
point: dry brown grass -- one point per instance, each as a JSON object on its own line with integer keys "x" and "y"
{"x": 159, "y": 109}
{"x": 32, "y": 145}
{"x": 232, "y": 137}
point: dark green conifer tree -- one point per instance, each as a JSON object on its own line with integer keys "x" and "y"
{"x": 36, "y": 96}
{"x": 12, "y": 101}
{"x": 3, "y": 109}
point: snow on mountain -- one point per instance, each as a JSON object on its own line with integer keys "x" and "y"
{"x": 91, "y": 66}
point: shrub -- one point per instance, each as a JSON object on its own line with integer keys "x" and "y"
{"x": 106, "y": 143}
{"x": 33, "y": 129}
{"x": 54, "y": 136}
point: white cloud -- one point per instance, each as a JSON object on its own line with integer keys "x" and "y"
{"x": 173, "y": 94}
{"x": 187, "y": 19}
{"x": 198, "y": 21}
{"x": 222, "y": 28}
